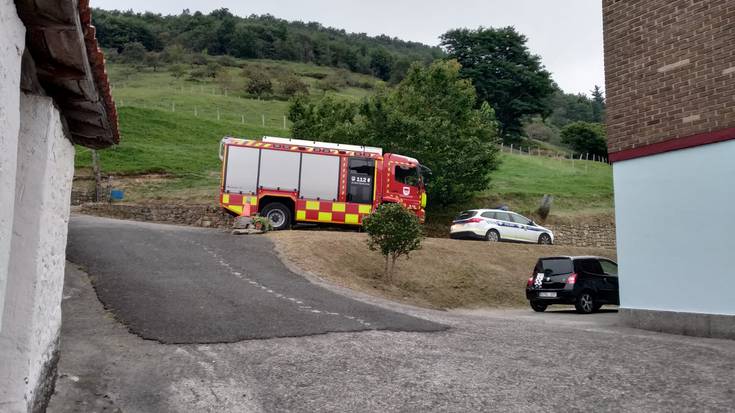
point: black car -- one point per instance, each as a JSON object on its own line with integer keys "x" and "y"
{"x": 586, "y": 282}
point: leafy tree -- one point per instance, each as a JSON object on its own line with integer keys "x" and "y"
{"x": 133, "y": 53}
{"x": 394, "y": 231}
{"x": 504, "y": 72}
{"x": 584, "y": 137}
{"x": 430, "y": 116}
{"x": 568, "y": 108}
{"x": 259, "y": 85}
{"x": 381, "y": 62}
{"x": 292, "y": 85}
{"x": 152, "y": 60}
{"x": 598, "y": 105}
{"x": 177, "y": 70}
{"x": 173, "y": 54}
{"x": 328, "y": 119}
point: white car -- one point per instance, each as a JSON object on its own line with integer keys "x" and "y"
{"x": 499, "y": 225}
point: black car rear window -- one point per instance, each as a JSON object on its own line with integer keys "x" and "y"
{"x": 556, "y": 266}
{"x": 465, "y": 215}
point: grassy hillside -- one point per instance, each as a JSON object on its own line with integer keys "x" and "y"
{"x": 162, "y": 136}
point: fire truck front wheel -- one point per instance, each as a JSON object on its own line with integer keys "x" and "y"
{"x": 278, "y": 214}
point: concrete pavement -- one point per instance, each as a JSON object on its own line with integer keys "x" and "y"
{"x": 489, "y": 360}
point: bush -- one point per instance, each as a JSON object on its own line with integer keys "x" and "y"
{"x": 292, "y": 85}
{"x": 394, "y": 231}
{"x": 177, "y": 70}
{"x": 585, "y": 137}
{"x": 259, "y": 84}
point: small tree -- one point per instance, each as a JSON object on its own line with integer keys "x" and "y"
{"x": 394, "y": 231}
{"x": 259, "y": 85}
{"x": 177, "y": 70}
{"x": 585, "y": 137}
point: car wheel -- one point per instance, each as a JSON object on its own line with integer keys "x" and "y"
{"x": 492, "y": 236}
{"x": 544, "y": 239}
{"x": 538, "y": 307}
{"x": 278, "y": 214}
{"x": 585, "y": 303}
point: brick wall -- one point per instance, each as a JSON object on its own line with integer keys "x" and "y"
{"x": 669, "y": 68}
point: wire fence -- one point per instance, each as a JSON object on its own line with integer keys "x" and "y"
{"x": 529, "y": 151}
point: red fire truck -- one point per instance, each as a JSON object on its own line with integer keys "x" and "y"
{"x": 293, "y": 180}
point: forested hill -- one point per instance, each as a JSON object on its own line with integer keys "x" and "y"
{"x": 262, "y": 37}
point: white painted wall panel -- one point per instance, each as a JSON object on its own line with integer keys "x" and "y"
{"x": 675, "y": 216}
{"x": 12, "y": 44}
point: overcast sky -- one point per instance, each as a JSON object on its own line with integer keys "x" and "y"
{"x": 567, "y": 34}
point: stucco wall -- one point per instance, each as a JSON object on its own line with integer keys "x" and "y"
{"x": 32, "y": 317}
{"x": 675, "y": 230}
{"x": 12, "y": 40}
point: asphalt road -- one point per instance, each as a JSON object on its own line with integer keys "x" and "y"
{"x": 185, "y": 285}
{"x": 489, "y": 360}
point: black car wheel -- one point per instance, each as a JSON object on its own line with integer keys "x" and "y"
{"x": 585, "y": 303}
{"x": 492, "y": 236}
{"x": 538, "y": 307}
{"x": 278, "y": 214}
{"x": 544, "y": 239}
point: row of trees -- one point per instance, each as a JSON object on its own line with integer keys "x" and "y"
{"x": 262, "y": 37}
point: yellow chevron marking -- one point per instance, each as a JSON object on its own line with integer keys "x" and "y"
{"x": 235, "y": 208}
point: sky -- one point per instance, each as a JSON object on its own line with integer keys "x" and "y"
{"x": 567, "y": 34}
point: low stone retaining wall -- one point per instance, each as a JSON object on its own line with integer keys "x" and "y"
{"x": 584, "y": 235}
{"x": 207, "y": 216}
{"x": 600, "y": 235}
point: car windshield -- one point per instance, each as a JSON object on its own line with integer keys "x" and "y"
{"x": 554, "y": 266}
{"x": 465, "y": 215}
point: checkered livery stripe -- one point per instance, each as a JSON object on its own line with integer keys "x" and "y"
{"x": 331, "y": 212}
{"x": 240, "y": 204}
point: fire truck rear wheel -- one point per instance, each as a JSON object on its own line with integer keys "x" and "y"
{"x": 278, "y": 214}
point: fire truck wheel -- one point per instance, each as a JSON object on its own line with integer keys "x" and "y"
{"x": 278, "y": 214}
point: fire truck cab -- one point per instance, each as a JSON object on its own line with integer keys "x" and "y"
{"x": 293, "y": 180}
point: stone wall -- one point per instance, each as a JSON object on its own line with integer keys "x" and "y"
{"x": 584, "y": 235}
{"x": 207, "y": 216}
{"x": 598, "y": 234}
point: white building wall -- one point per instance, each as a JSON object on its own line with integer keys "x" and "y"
{"x": 12, "y": 41}
{"x": 32, "y": 316}
{"x": 675, "y": 215}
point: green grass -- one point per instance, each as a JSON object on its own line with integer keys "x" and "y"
{"x": 580, "y": 186}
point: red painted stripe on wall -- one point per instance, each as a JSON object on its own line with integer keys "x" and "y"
{"x": 674, "y": 145}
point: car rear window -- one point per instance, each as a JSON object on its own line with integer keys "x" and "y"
{"x": 465, "y": 215}
{"x": 556, "y": 266}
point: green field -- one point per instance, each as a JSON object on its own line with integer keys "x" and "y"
{"x": 181, "y": 148}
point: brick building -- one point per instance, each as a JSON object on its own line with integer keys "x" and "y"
{"x": 670, "y": 80}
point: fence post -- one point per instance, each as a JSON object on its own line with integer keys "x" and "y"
{"x": 501, "y": 147}
{"x": 195, "y": 112}
{"x": 511, "y": 149}
{"x": 284, "y": 122}
{"x": 263, "y": 119}
{"x": 217, "y": 114}
{"x": 243, "y": 119}
{"x": 225, "y": 91}
{"x": 173, "y": 106}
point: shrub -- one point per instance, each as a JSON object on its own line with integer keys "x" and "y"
{"x": 259, "y": 85}
{"x": 585, "y": 137}
{"x": 177, "y": 70}
{"x": 394, "y": 231}
{"x": 292, "y": 85}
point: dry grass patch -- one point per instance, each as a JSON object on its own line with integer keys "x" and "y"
{"x": 445, "y": 273}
